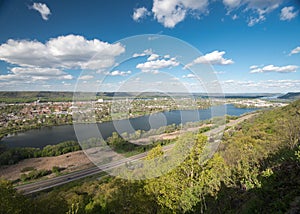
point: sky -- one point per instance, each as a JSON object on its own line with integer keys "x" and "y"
{"x": 234, "y": 46}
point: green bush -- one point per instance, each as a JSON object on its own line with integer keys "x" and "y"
{"x": 27, "y": 169}
{"x": 35, "y": 174}
{"x": 9, "y": 156}
{"x": 57, "y": 169}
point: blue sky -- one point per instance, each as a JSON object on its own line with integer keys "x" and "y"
{"x": 244, "y": 45}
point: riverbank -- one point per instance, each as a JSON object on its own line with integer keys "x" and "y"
{"x": 75, "y": 161}
{"x": 57, "y": 134}
{"x": 16, "y": 118}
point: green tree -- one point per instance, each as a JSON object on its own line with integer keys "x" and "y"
{"x": 11, "y": 201}
{"x": 130, "y": 197}
{"x": 49, "y": 204}
{"x": 154, "y": 153}
{"x": 188, "y": 184}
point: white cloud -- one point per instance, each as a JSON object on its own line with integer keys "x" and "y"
{"x": 32, "y": 74}
{"x": 253, "y": 4}
{"x": 229, "y": 81}
{"x": 36, "y": 71}
{"x": 11, "y": 77}
{"x": 259, "y": 7}
{"x": 287, "y": 13}
{"x": 120, "y": 73}
{"x": 189, "y": 76}
{"x": 140, "y": 13}
{"x": 71, "y": 51}
{"x": 254, "y": 20}
{"x": 86, "y": 77}
{"x": 234, "y": 17}
{"x": 66, "y": 84}
{"x": 232, "y": 3}
{"x": 276, "y": 69}
{"x": 33, "y": 61}
{"x": 153, "y": 57}
{"x": 154, "y": 66}
{"x": 295, "y": 51}
{"x": 42, "y": 9}
{"x": 175, "y": 79}
{"x": 219, "y": 72}
{"x": 171, "y": 12}
{"x": 215, "y": 58}
{"x": 146, "y": 52}
{"x": 261, "y": 86}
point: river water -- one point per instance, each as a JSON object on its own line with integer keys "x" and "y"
{"x": 53, "y": 135}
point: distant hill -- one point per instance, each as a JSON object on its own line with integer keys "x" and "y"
{"x": 178, "y": 94}
{"x": 291, "y": 96}
{"x": 48, "y": 96}
{"x": 35, "y": 94}
{"x": 43, "y": 96}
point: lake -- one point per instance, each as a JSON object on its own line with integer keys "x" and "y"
{"x": 53, "y": 135}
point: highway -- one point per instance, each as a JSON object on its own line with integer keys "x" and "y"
{"x": 73, "y": 176}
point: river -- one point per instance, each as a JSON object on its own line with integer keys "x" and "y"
{"x": 53, "y": 135}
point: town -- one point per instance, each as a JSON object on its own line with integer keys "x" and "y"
{"x": 25, "y": 116}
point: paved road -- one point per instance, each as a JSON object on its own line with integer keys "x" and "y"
{"x": 63, "y": 179}
{"x": 73, "y": 176}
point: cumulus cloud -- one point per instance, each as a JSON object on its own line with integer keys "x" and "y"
{"x": 259, "y": 86}
{"x": 254, "y": 20}
{"x": 120, "y": 73}
{"x": 154, "y": 66}
{"x": 295, "y": 51}
{"x": 71, "y": 51}
{"x": 11, "y": 77}
{"x": 35, "y": 73}
{"x": 234, "y": 17}
{"x": 43, "y": 9}
{"x": 171, "y": 12}
{"x": 272, "y": 68}
{"x": 36, "y": 61}
{"x": 189, "y": 76}
{"x": 146, "y": 52}
{"x": 253, "y": 4}
{"x": 214, "y": 58}
{"x": 86, "y": 77}
{"x": 287, "y": 13}
{"x": 140, "y": 13}
{"x": 258, "y": 7}
{"x": 153, "y": 57}
{"x": 219, "y": 72}
{"x": 232, "y": 3}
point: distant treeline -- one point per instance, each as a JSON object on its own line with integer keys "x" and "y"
{"x": 62, "y": 96}
{"x": 45, "y": 96}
